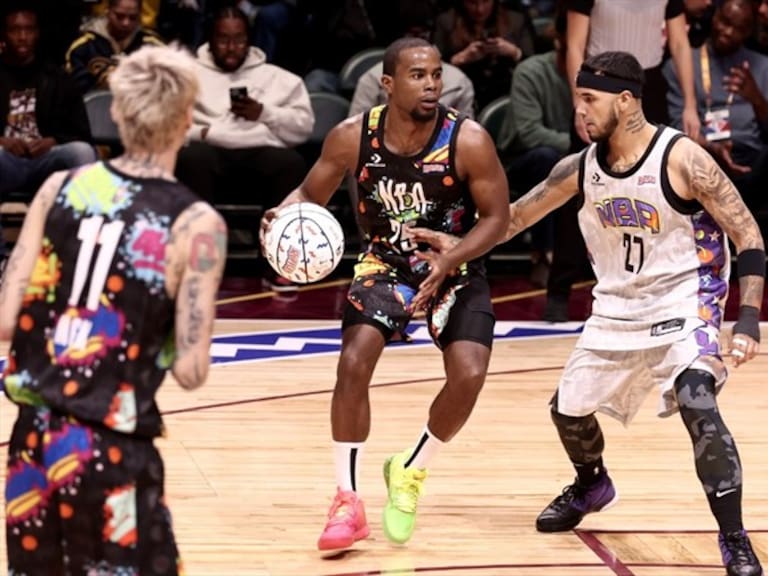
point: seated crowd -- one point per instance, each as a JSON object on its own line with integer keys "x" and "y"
{"x": 260, "y": 61}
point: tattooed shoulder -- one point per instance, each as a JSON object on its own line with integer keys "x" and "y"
{"x": 704, "y": 177}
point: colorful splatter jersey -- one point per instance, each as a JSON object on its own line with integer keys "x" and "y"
{"x": 396, "y": 192}
{"x": 92, "y": 338}
{"x": 84, "y": 484}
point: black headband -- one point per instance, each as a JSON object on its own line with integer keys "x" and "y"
{"x": 587, "y": 79}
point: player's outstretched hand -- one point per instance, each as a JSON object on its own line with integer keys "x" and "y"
{"x": 439, "y": 241}
{"x": 438, "y": 270}
{"x": 743, "y": 348}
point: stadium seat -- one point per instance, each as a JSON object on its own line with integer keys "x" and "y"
{"x": 103, "y": 129}
{"x": 356, "y": 66}
{"x": 491, "y": 117}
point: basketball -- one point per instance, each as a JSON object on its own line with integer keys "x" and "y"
{"x": 305, "y": 243}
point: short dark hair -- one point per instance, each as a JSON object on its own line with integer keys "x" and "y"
{"x": 620, "y": 65}
{"x": 14, "y": 6}
{"x": 230, "y": 12}
{"x": 392, "y": 54}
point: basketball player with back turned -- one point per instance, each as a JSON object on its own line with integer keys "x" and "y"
{"x": 656, "y": 214}
{"x": 416, "y": 163}
{"x": 111, "y": 282}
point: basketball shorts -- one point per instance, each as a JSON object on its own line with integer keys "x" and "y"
{"x": 381, "y": 295}
{"x": 84, "y": 500}
{"x": 616, "y": 382}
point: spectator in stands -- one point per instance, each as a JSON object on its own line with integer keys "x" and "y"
{"x": 249, "y": 117}
{"x": 458, "y": 91}
{"x": 92, "y": 57}
{"x": 43, "y": 122}
{"x": 731, "y": 94}
{"x": 636, "y": 27}
{"x": 536, "y": 134}
{"x": 486, "y": 40}
{"x": 149, "y": 10}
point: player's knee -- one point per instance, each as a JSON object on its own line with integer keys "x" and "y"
{"x": 470, "y": 381}
{"x": 355, "y": 366}
{"x": 695, "y": 391}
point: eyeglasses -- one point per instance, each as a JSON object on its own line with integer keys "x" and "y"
{"x": 235, "y": 41}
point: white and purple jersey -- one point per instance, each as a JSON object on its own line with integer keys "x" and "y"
{"x": 662, "y": 263}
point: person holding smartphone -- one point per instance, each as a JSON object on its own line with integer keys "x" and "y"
{"x": 485, "y": 40}
{"x": 249, "y": 117}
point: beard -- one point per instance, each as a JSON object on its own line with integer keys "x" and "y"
{"x": 607, "y": 130}
{"x": 419, "y": 116}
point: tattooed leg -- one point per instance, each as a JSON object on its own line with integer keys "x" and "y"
{"x": 583, "y": 441}
{"x": 717, "y": 461}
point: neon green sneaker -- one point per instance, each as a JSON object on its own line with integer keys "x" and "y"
{"x": 404, "y": 485}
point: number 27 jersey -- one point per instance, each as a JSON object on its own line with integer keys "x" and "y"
{"x": 656, "y": 256}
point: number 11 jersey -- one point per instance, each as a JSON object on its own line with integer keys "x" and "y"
{"x": 94, "y": 334}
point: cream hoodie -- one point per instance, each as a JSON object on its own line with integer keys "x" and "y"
{"x": 286, "y": 121}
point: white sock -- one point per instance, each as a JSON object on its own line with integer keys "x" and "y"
{"x": 346, "y": 457}
{"x": 426, "y": 448}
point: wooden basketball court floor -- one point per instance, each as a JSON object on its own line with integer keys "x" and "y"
{"x": 250, "y": 475}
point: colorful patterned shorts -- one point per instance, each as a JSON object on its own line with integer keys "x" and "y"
{"x": 84, "y": 500}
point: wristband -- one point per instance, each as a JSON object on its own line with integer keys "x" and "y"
{"x": 751, "y": 262}
{"x": 748, "y": 322}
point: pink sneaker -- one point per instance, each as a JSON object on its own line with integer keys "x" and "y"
{"x": 346, "y": 522}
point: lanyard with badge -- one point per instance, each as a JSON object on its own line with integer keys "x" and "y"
{"x": 717, "y": 121}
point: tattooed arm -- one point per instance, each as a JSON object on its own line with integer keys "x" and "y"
{"x": 24, "y": 255}
{"x": 561, "y": 185}
{"x": 695, "y": 175}
{"x": 196, "y": 256}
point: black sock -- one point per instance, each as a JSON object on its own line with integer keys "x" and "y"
{"x": 727, "y": 509}
{"x": 591, "y": 472}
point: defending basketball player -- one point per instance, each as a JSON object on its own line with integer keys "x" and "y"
{"x": 111, "y": 282}
{"x": 656, "y": 216}
{"x": 415, "y": 163}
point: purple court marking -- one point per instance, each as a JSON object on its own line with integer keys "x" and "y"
{"x": 604, "y": 553}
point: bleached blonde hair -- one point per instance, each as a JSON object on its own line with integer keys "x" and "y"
{"x": 153, "y": 90}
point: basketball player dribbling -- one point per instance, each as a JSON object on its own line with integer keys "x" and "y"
{"x": 656, "y": 214}
{"x": 416, "y": 163}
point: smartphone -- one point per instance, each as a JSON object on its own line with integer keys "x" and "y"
{"x": 238, "y": 93}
